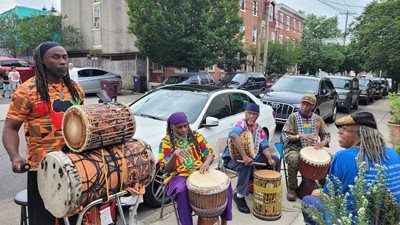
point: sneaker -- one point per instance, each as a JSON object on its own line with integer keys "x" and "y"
{"x": 241, "y": 204}
{"x": 291, "y": 195}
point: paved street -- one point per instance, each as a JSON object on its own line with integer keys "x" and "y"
{"x": 12, "y": 183}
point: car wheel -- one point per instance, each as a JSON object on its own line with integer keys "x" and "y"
{"x": 356, "y": 105}
{"x": 153, "y": 195}
{"x": 332, "y": 118}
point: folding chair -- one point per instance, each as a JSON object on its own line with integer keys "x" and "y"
{"x": 221, "y": 145}
{"x": 165, "y": 199}
{"x": 281, "y": 150}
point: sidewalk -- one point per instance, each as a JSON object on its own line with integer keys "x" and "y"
{"x": 125, "y": 97}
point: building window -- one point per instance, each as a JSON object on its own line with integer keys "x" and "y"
{"x": 273, "y": 36}
{"x": 157, "y": 67}
{"x": 294, "y": 25}
{"x": 242, "y": 32}
{"x": 96, "y": 15}
{"x": 280, "y": 38}
{"x": 254, "y": 33}
{"x": 254, "y": 7}
{"x": 270, "y": 12}
{"x": 281, "y": 20}
{"x": 300, "y": 27}
{"x": 288, "y": 23}
{"x": 242, "y": 5}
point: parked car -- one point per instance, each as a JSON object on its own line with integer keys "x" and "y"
{"x": 211, "y": 110}
{"x": 254, "y": 82}
{"x": 272, "y": 78}
{"x": 367, "y": 90}
{"x": 189, "y": 78}
{"x": 378, "y": 88}
{"x": 25, "y": 68}
{"x": 385, "y": 86}
{"x": 348, "y": 91}
{"x": 390, "y": 82}
{"x": 285, "y": 95}
{"x": 89, "y": 79}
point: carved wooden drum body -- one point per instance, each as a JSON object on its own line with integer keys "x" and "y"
{"x": 94, "y": 126}
{"x": 208, "y": 192}
{"x": 248, "y": 146}
{"x": 68, "y": 181}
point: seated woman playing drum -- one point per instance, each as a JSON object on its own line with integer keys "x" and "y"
{"x": 182, "y": 152}
{"x": 250, "y": 150}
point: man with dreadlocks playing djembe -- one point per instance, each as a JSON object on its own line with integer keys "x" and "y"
{"x": 40, "y": 103}
{"x": 362, "y": 141}
{"x": 183, "y": 151}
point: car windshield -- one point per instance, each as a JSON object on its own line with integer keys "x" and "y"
{"x": 175, "y": 80}
{"x": 341, "y": 83}
{"x": 296, "y": 85}
{"x": 364, "y": 82}
{"x": 16, "y": 63}
{"x": 160, "y": 104}
{"x": 239, "y": 78}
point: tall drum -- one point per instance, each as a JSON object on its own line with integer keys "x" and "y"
{"x": 93, "y": 126}
{"x": 267, "y": 195}
{"x": 67, "y": 181}
{"x": 208, "y": 192}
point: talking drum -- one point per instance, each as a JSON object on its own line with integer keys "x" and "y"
{"x": 248, "y": 146}
{"x": 208, "y": 192}
{"x": 69, "y": 181}
{"x": 267, "y": 194}
{"x": 314, "y": 165}
{"x": 93, "y": 126}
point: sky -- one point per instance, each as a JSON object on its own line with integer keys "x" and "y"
{"x": 37, "y": 4}
{"x": 327, "y": 8}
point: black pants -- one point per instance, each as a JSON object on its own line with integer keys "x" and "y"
{"x": 37, "y": 213}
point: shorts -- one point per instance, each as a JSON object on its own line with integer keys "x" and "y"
{"x": 6, "y": 87}
{"x": 14, "y": 85}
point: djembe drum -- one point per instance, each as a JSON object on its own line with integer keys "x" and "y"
{"x": 248, "y": 146}
{"x": 314, "y": 165}
{"x": 267, "y": 195}
{"x": 94, "y": 126}
{"x": 69, "y": 181}
{"x": 208, "y": 193}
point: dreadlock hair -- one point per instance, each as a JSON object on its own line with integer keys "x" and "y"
{"x": 372, "y": 146}
{"x": 41, "y": 80}
{"x": 191, "y": 138}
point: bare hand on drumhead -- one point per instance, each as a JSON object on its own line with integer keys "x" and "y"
{"x": 182, "y": 153}
{"x": 18, "y": 164}
{"x": 248, "y": 161}
{"x": 204, "y": 167}
{"x": 309, "y": 137}
{"x": 271, "y": 162}
{"x": 320, "y": 144}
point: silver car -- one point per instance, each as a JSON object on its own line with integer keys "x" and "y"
{"x": 89, "y": 79}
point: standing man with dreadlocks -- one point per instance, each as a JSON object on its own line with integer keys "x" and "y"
{"x": 39, "y": 104}
{"x": 363, "y": 142}
{"x": 182, "y": 151}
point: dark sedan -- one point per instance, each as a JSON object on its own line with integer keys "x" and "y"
{"x": 367, "y": 89}
{"x": 284, "y": 96}
{"x": 348, "y": 91}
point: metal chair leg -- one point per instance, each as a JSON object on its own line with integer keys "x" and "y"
{"x": 162, "y": 202}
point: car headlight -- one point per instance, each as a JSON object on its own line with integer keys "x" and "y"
{"x": 342, "y": 97}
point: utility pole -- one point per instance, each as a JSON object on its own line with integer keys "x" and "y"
{"x": 258, "y": 37}
{"x": 345, "y": 26}
{"x": 266, "y": 38}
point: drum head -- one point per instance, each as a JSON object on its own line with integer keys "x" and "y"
{"x": 59, "y": 184}
{"x": 269, "y": 174}
{"x": 211, "y": 182}
{"x": 74, "y": 128}
{"x": 315, "y": 156}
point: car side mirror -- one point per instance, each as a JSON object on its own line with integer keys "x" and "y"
{"x": 211, "y": 122}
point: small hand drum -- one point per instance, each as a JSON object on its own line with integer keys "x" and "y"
{"x": 248, "y": 145}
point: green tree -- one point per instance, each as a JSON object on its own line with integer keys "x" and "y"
{"x": 377, "y": 33}
{"x": 23, "y": 35}
{"x": 315, "y": 54}
{"x": 281, "y": 56}
{"x": 186, "y": 33}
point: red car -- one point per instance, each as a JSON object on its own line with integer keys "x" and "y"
{"x": 25, "y": 68}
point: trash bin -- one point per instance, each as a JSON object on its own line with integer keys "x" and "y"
{"x": 110, "y": 87}
{"x": 139, "y": 84}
